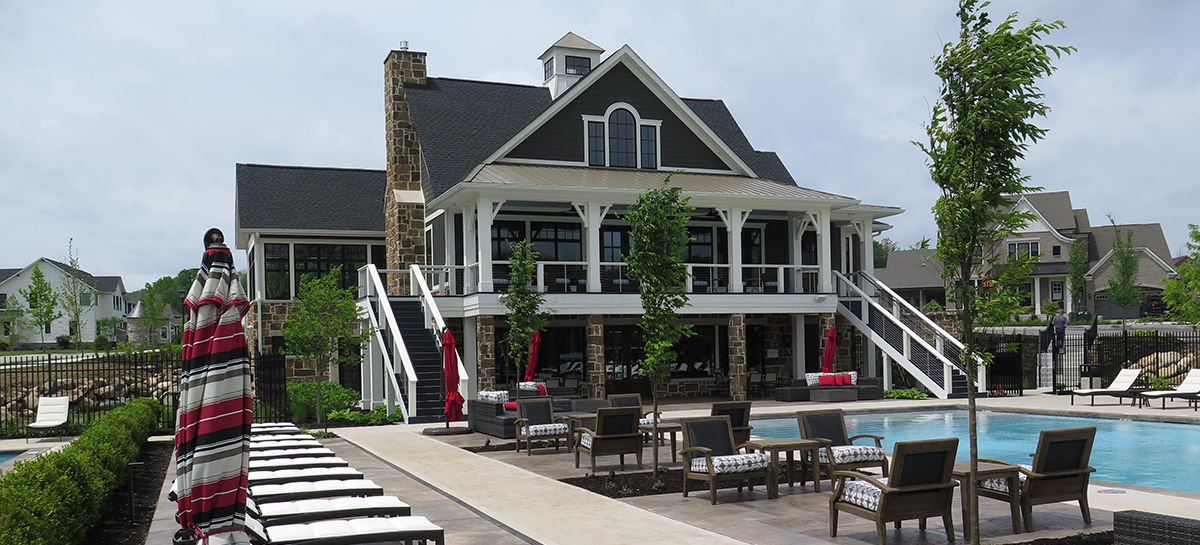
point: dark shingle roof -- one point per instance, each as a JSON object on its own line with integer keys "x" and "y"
{"x": 108, "y": 284}
{"x": 5, "y": 274}
{"x": 911, "y": 269}
{"x": 1055, "y": 206}
{"x": 284, "y": 197}
{"x": 1149, "y": 235}
{"x": 718, "y": 118}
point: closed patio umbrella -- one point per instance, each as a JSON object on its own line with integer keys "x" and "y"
{"x": 830, "y": 348}
{"x": 454, "y": 400}
{"x": 531, "y": 365}
{"x": 212, "y": 435}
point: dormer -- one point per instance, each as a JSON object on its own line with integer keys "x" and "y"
{"x": 568, "y": 60}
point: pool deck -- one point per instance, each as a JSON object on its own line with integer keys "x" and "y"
{"x": 503, "y": 498}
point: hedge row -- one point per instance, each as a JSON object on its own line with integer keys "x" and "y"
{"x": 54, "y": 498}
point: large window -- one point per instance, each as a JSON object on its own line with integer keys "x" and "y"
{"x": 614, "y": 244}
{"x": 504, "y": 235}
{"x": 319, "y": 259}
{"x": 379, "y": 256}
{"x": 649, "y": 147}
{"x": 278, "y": 272}
{"x": 595, "y": 143}
{"x": 700, "y": 249}
{"x": 557, "y": 241}
{"x": 3, "y": 301}
{"x": 1030, "y": 248}
{"x": 578, "y": 66}
{"x": 622, "y": 146}
{"x": 548, "y": 68}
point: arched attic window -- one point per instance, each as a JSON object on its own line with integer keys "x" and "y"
{"x": 621, "y": 138}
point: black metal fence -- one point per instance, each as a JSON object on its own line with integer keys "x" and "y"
{"x": 98, "y": 383}
{"x": 1084, "y": 360}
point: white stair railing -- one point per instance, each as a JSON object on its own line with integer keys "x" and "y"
{"x": 434, "y": 318}
{"x": 386, "y": 389}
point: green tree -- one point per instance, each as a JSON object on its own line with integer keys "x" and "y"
{"x": 43, "y": 301}
{"x": 1122, "y": 287}
{"x": 658, "y": 235}
{"x": 323, "y": 327}
{"x": 154, "y": 315}
{"x": 979, "y": 128}
{"x": 523, "y": 306}
{"x": 12, "y": 321}
{"x": 1182, "y": 293}
{"x": 78, "y": 293}
{"x": 107, "y": 328}
{"x": 171, "y": 289}
{"x": 1077, "y": 267}
{"x": 882, "y": 249}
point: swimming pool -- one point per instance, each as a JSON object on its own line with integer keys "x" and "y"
{"x": 1152, "y": 454}
{"x": 6, "y": 456}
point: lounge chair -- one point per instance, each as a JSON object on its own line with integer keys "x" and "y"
{"x": 284, "y": 444}
{"x": 301, "y": 462}
{"x": 274, "y": 428}
{"x": 1060, "y": 472}
{"x": 838, "y": 451}
{"x": 710, "y": 454}
{"x": 919, "y": 488}
{"x": 281, "y": 437}
{"x": 1189, "y": 389}
{"x": 739, "y": 417}
{"x": 410, "y": 529}
{"x": 536, "y": 420}
{"x": 52, "y": 412}
{"x": 282, "y": 476}
{"x": 295, "y": 452}
{"x": 270, "y": 493}
{"x": 616, "y": 433}
{"x": 1120, "y": 387}
{"x": 292, "y": 512}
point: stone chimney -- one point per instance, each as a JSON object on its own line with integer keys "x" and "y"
{"x": 404, "y": 202}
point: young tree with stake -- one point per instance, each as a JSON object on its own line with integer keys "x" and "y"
{"x": 523, "y": 306}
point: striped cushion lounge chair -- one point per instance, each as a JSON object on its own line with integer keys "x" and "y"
{"x": 282, "y": 476}
{"x": 313, "y": 509}
{"x": 1120, "y": 386}
{"x": 409, "y": 529}
{"x": 270, "y": 493}
{"x": 301, "y": 462}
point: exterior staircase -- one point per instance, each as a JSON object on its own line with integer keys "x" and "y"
{"x": 426, "y": 358}
{"x": 922, "y": 348}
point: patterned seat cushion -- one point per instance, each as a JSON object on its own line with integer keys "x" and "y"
{"x": 646, "y": 421}
{"x": 585, "y": 440}
{"x": 544, "y": 430}
{"x": 862, "y": 494}
{"x": 849, "y": 454}
{"x": 494, "y": 396}
{"x": 1000, "y": 484}
{"x": 733, "y": 463}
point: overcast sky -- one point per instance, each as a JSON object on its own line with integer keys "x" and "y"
{"x": 121, "y": 122}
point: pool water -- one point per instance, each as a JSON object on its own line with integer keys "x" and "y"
{"x": 6, "y": 456}
{"x": 1151, "y": 454}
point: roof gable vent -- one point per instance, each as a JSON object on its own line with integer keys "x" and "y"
{"x": 568, "y": 61}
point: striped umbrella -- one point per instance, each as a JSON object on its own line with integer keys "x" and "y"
{"x": 212, "y": 436}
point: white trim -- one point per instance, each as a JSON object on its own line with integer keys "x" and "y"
{"x": 521, "y": 161}
{"x": 1050, "y": 228}
{"x": 638, "y": 122}
{"x": 626, "y": 55}
{"x": 1171, "y": 273}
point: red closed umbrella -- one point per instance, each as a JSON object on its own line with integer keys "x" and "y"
{"x": 531, "y": 365}
{"x": 454, "y": 400}
{"x": 830, "y": 348}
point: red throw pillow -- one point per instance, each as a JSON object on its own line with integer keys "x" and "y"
{"x": 510, "y": 406}
{"x": 541, "y": 388}
{"x": 827, "y": 380}
{"x": 845, "y": 379}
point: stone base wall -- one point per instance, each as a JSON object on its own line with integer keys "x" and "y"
{"x": 485, "y": 363}
{"x": 594, "y": 362}
{"x": 405, "y": 232}
{"x": 695, "y": 388}
{"x": 777, "y": 333}
{"x": 737, "y": 357}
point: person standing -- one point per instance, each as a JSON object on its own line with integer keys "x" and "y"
{"x": 1059, "y": 321}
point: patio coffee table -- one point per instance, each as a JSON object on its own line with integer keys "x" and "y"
{"x": 988, "y": 470}
{"x": 576, "y": 420}
{"x": 808, "y": 449}
{"x": 664, "y": 428}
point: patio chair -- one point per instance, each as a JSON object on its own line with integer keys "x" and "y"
{"x": 270, "y": 493}
{"x": 633, "y": 400}
{"x": 285, "y": 462}
{"x": 1060, "y": 472}
{"x": 1189, "y": 389}
{"x": 739, "y": 417}
{"x": 1120, "y": 386}
{"x": 536, "y": 420}
{"x": 710, "y": 454}
{"x": 292, "y": 512}
{"x": 920, "y": 487}
{"x": 410, "y": 529}
{"x": 616, "y": 433}
{"x": 281, "y": 476}
{"x": 51, "y": 413}
{"x": 838, "y": 451}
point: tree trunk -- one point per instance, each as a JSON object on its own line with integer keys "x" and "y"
{"x": 654, "y": 427}
{"x": 972, "y": 368}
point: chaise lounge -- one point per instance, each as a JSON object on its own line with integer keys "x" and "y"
{"x": 1121, "y": 387}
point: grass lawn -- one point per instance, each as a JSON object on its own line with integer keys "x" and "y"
{"x": 53, "y": 351}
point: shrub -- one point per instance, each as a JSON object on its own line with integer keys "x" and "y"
{"x": 907, "y": 393}
{"x": 931, "y": 306}
{"x": 64, "y": 341}
{"x": 101, "y": 343}
{"x": 1050, "y": 307}
{"x": 375, "y": 417}
{"x": 56, "y": 497}
{"x": 302, "y": 396}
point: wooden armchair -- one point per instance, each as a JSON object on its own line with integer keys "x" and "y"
{"x": 838, "y": 451}
{"x": 710, "y": 454}
{"x": 920, "y": 487}
{"x": 536, "y": 420}
{"x": 739, "y": 417}
{"x": 616, "y": 433}
{"x": 1060, "y": 472}
{"x": 633, "y": 400}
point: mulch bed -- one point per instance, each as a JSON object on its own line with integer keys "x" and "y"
{"x": 118, "y": 527}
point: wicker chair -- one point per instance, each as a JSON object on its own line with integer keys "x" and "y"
{"x": 1060, "y": 472}
{"x": 739, "y": 417}
{"x": 536, "y": 420}
{"x": 920, "y": 487}
{"x": 838, "y": 452}
{"x": 616, "y": 433}
{"x": 710, "y": 454}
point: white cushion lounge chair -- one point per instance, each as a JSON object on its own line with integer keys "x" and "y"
{"x": 347, "y": 532}
{"x": 281, "y": 437}
{"x": 1120, "y": 387}
{"x": 284, "y": 444}
{"x": 1189, "y": 389}
{"x": 51, "y": 413}
{"x": 295, "y": 452}
{"x": 274, "y": 428}
{"x": 282, "y": 476}
{"x": 270, "y": 493}
{"x": 292, "y": 512}
{"x": 284, "y": 462}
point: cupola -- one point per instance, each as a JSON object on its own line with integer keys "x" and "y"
{"x": 568, "y": 60}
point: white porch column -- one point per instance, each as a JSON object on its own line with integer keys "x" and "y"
{"x": 870, "y": 357}
{"x": 470, "y": 240}
{"x": 592, "y": 214}
{"x": 486, "y": 212}
{"x": 868, "y": 246}
{"x": 1068, "y": 302}
{"x": 798, "y": 363}
{"x": 1037, "y": 295}
{"x": 450, "y": 244}
{"x": 734, "y": 218}
{"x": 825, "y": 256}
{"x": 470, "y": 354}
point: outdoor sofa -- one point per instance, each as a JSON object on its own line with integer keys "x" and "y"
{"x": 801, "y": 389}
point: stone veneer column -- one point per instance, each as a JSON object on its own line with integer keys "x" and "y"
{"x": 485, "y": 335}
{"x": 404, "y": 202}
{"x": 596, "y": 376}
{"x": 737, "y": 357}
{"x": 825, "y": 322}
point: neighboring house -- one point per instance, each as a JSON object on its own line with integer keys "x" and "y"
{"x": 1049, "y": 237}
{"x": 474, "y": 166}
{"x": 106, "y": 299}
{"x": 141, "y": 333}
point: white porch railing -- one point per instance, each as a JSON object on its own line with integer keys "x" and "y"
{"x": 380, "y": 384}
{"x": 434, "y": 316}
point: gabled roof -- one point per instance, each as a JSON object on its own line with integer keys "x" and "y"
{"x": 1148, "y": 235}
{"x": 573, "y": 41}
{"x": 108, "y": 284}
{"x": 5, "y": 274}
{"x": 1055, "y": 206}
{"x": 1082, "y": 223}
{"x": 85, "y": 276}
{"x": 908, "y": 269}
{"x": 277, "y": 198}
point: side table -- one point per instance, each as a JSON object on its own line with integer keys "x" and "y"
{"x": 988, "y": 470}
{"x": 664, "y": 428}
{"x": 809, "y": 451}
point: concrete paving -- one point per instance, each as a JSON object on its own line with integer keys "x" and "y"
{"x": 505, "y": 497}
